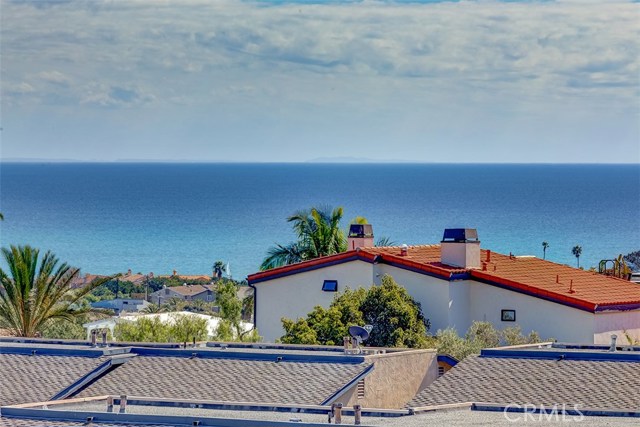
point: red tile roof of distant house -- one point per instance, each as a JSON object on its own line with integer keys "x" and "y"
{"x": 82, "y": 280}
{"x": 187, "y": 278}
{"x": 586, "y": 290}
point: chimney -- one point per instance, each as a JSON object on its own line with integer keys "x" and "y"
{"x": 175, "y": 273}
{"x": 612, "y": 348}
{"x": 360, "y": 236}
{"x": 129, "y": 272}
{"x": 460, "y": 247}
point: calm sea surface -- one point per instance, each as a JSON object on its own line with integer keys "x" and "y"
{"x": 106, "y": 218}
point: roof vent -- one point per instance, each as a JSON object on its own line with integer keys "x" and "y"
{"x": 460, "y": 247}
{"x": 404, "y": 249}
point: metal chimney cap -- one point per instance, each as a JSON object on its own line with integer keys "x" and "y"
{"x": 360, "y": 230}
{"x": 460, "y": 235}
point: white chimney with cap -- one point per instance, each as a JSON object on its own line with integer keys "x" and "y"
{"x": 460, "y": 247}
{"x": 360, "y": 236}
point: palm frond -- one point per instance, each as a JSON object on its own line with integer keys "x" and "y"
{"x": 38, "y": 293}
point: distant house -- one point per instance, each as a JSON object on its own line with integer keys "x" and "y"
{"x": 81, "y": 281}
{"x": 135, "y": 278}
{"x": 121, "y": 304}
{"x": 457, "y": 283}
{"x": 187, "y": 293}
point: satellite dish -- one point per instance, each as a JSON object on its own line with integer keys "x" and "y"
{"x": 359, "y": 333}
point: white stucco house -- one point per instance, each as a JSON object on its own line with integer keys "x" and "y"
{"x": 457, "y": 282}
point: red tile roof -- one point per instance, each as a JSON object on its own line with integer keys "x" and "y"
{"x": 543, "y": 279}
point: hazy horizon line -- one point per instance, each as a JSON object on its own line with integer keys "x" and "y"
{"x": 311, "y": 161}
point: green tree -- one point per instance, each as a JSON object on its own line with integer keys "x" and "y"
{"x": 577, "y": 251}
{"x": 218, "y": 269}
{"x": 513, "y": 336}
{"x": 37, "y": 291}
{"x": 145, "y": 329}
{"x": 396, "y": 318}
{"x": 481, "y": 335}
{"x": 154, "y": 308}
{"x": 181, "y": 328}
{"x": 247, "y": 308}
{"x": 186, "y": 328}
{"x": 230, "y": 305}
{"x": 64, "y": 329}
{"x": 318, "y": 232}
{"x": 545, "y": 246}
{"x": 298, "y": 332}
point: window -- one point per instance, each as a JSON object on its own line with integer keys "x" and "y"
{"x": 508, "y": 315}
{"x": 330, "y": 286}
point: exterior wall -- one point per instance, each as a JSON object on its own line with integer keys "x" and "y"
{"x": 432, "y": 293}
{"x": 549, "y": 319}
{"x": 621, "y": 323}
{"x": 296, "y": 295}
{"x": 395, "y": 380}
{"x": 459, "y": 306}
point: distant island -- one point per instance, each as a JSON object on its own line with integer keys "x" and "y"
{"x": 354, "y": 160}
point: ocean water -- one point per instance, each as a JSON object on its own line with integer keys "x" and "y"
{"x": 107, "y": 218}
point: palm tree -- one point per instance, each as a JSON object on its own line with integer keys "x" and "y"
{"x": 37, "y": 292}
{"x": 319, "y": 234}
{"x": 218, "y": 269}
{"x": 152, "y": 308}
{"x": 577, "y": 251}
{"x": 385, "y": 241}
{"x": 545, "y": 246}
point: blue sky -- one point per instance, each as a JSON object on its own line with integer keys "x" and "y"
{"x": 196, "y": 80}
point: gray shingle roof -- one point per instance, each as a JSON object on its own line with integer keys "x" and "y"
{"x": 25, "y": 379}
{"x": 590, "y": 384}
{"x": 226, "y": 379}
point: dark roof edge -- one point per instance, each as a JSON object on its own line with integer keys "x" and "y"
{"x": 559, "y": 355}
{"x": 576, "y": 411}
{"x": 448, "y": 359}
{"x": 310, "y": 265}
{"x": 331, "y": 399}
{"x": 36, "y": 351}
{"x": 272, "y": 356}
